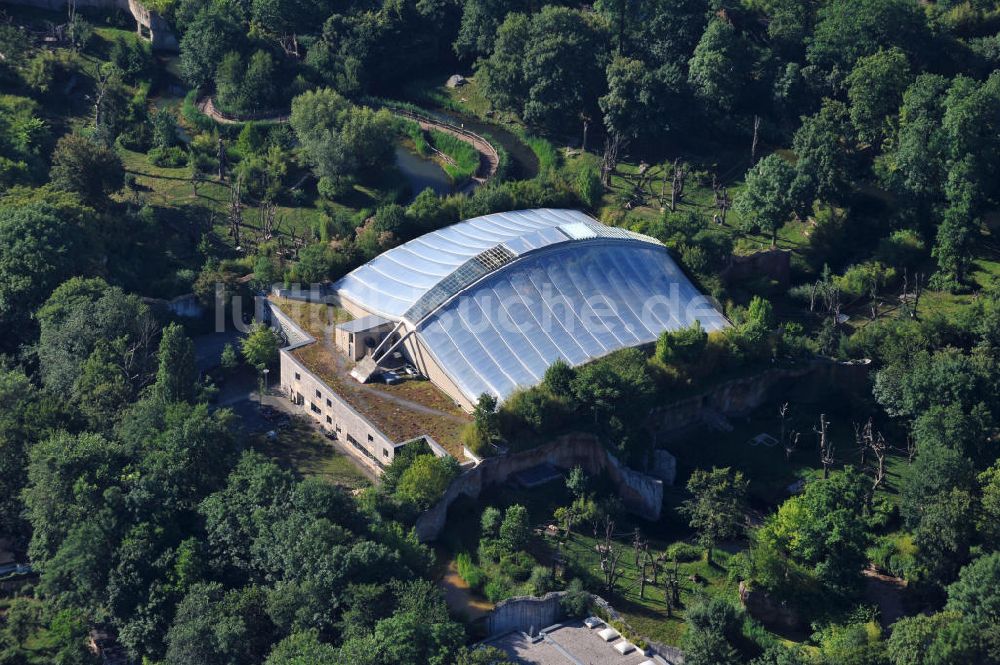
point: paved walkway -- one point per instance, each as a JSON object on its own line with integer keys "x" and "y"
{"x": 489, "y": 159}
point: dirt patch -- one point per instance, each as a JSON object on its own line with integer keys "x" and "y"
{"x": 888, "y": 593}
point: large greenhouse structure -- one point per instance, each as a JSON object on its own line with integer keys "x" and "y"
{"x": 488, "y": 304}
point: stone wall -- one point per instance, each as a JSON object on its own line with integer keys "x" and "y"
{"x": 774, "y": 264}
{"x": 641, "y": 494}
{"x": 527, "y": 614}
{"x": 741, "y": 397}
{"x": 157, "y": 30}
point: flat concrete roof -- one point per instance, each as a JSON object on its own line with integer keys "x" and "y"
{"x": 405, "y": 411}
{"x": 568, "y": 644}
{"x": 369, "y": 322}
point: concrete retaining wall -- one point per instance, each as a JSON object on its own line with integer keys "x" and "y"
{"x": 741, "y": 397}
{"x": 641, "y": 494}
{"x": 527, "y": 614}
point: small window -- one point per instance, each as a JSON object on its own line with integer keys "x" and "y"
{"x": 329, "y": 420}
{"x": 371, "y": 438}
{"x": 314, "y": 408}
{"x": 329, "y": 404}
{"x": 319, "y": 394}
{"x": 298, "y": 377}
{"x": 385, "y": 453}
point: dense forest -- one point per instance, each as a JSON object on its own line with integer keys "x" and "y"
{"x": 860, "y": 137}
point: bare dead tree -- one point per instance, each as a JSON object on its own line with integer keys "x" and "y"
{"x": 290, "y": 45}
{"x": 911, "y": 448}
{"x": 222, "y": 160}
{"x": 722, "y": 201}
{"x": 672, "y": 589}
{"x": 783, "y": 415}
{"x": 677, "y": 185}
{"x": 611, "y": 556}
{"x": 861, "y": 434}
{"x": 135, "y": 358}
{"x": 873, "y": 292}
{"x": 647, "y": 561}
{"x": 613, "y": 145}
{"x": 753, "y": 144}
{"x": 791, "y": 444}
{"x": 268, "y": 221}
{"x": 826, "y": 456}
{"x": 917, "y": 291}
{"x": 585, "y": 118}
{"x": 104, "y": 78}
{"x": 879, "y": 449}
{"x": 236, "y": 211}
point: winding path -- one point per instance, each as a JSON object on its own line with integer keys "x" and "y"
{"x": 489, "y": 158}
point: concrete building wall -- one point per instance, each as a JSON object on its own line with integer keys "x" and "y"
{"x": 322, "y": 404}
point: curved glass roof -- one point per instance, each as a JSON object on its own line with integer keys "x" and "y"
{"x": 497, "y": 299}
{"x": 391, "y": 283}
{"x": 575, "y": 302}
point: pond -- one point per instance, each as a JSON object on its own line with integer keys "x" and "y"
{"x": 524, "y": 161}
{"x": 422, "y": 173}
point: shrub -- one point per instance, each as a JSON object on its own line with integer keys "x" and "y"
{"x": 685, "y": 345}
{"x": 469, "y": 571}
{"x": 903, "y": 248}
{"x": 684, "y": 552}
{"x": 541, "y": 580}
{"x": 517, "y": 565}
{"x": 894, "y": 554}
{"x": 497, "y": 590}
{"x": 172, "y": 157}
{"x": 426, "y": 480}
{"x": 576, "y": 602}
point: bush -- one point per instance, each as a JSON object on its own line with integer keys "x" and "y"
{"x": 684, "y": 552}
{"x": 904, "y": 248}
{"x": 191, "y": 112}
{"x": 685, "y": 345}
{"x": 576, "y": 602}
{"x": 541, "y": 580}
{"x": 496, "y": 590}
{"x": 469, "y": 571}
{"x": 426, "y": 480}
{"x": 894, "y": 554}
{"x": 172, "y": 157}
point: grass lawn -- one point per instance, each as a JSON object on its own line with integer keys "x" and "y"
{"x": 300, "y": 448}
{"x": 40, "y": 647}
{"x": 646, "y": 614}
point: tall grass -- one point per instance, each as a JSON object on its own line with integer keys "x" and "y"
{"x": 191, "y": 112}
{"x": 464, "y": 156}
{"x": 469, "y": 571}
{"x": 548, "y": 156}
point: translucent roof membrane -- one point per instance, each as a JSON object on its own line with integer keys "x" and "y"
{"x": 394, "y": 281}
{"x": 576, "y": 301}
